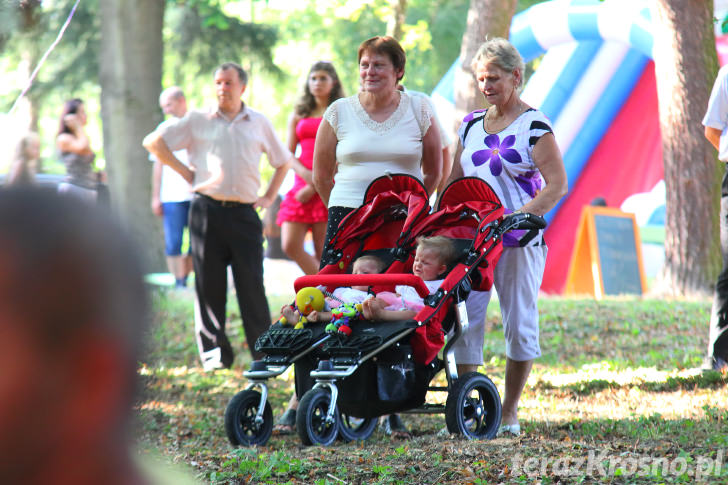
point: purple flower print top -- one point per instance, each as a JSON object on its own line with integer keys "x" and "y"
{"x": 505, "y": 161}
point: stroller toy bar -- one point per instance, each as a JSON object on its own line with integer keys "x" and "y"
{"x": 343, "y": 316}
{"x": 375, "y": 280}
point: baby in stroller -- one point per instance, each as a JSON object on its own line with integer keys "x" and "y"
{"x": 433, "y": 257}
{"x": 366, "y": 264}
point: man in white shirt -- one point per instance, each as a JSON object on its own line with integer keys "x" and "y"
{"x": 224, "y": 146}
{"x": 716, "y": 131}
{"x": 171, "y": 194}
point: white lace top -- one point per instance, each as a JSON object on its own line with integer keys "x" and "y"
{"x": 367, "y": 149}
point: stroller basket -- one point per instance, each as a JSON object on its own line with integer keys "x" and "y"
{"x": 354, "y": 344}
{"x": 286, "y": 340}
{"x": 365, "y": 337}
{"x": 283, "y": 345}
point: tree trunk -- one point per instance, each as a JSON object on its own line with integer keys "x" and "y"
{"x": 30, "y": 56}
{"x": 486, "y": 19}
{"x": 130, "y": 74}
{"x": 685, "y": 67}
{"x": 394, "y": 26}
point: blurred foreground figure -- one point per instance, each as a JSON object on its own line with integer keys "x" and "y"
{"x": 73, "y": 308}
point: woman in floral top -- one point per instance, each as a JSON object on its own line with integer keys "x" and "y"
{"x": 512, "y": 147}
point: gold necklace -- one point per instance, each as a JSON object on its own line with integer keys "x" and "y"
{"x": 488, "y": 117}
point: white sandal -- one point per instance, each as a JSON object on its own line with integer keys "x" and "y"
{"x": 512, "y": 429}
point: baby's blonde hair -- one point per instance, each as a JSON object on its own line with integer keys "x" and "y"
{"x": 441, "y": 245}
{"x": 370, "y": 258}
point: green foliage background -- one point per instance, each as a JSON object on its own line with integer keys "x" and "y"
{"x": 333, "y": 29}
{"x": 276, "y": 40}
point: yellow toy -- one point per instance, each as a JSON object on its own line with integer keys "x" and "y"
{"x": 308, "y": 299}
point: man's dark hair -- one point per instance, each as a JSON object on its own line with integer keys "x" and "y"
{"x": 242, "y": 75}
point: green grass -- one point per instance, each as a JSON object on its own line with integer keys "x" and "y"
{"x": 617, "y": 377}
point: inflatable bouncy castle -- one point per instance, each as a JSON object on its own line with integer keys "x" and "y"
{"x": 596, "y": 82}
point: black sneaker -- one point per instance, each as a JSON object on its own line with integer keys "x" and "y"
{"x": 392, "y": 425}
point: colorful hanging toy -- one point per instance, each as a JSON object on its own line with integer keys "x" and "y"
{"x": 308, "y": 299}
{"x": 342, "y": 318}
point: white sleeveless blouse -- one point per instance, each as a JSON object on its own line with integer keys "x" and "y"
{"x": 367, "y": 149}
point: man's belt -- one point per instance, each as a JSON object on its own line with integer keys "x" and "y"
{"x": 223, "y": 203}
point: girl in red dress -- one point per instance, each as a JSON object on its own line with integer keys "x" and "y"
{"x": 302, "y": 209}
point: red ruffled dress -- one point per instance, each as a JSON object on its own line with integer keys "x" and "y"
{"x": 314, "y": 210}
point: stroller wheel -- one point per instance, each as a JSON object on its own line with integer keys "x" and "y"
{"x": 311, "y": 424}
{"x": 473, "y": 407}
{"x": 356, "y": 429}
{"x": 241, "y": 425}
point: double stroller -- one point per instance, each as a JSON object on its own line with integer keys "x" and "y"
{"x": 346, "y": 382}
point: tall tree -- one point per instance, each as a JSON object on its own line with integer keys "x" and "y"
{"x": 685, "y": 67}
{"x": 396, "y": 21}
{"x": 23, "y": 19}
{"x": 131, "y": 73}
{"x": 491, "y": 18}
{"x": 31, "y": 24}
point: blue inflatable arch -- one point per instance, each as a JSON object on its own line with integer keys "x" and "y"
{"x": 548, "y": 24}
{"x": 612, "y": 42}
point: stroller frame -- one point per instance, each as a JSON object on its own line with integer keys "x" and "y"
{"x": 248, "y": 416}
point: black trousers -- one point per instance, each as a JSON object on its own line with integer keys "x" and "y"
{"x": 718, "y": 336}
{"x": 224, "y": 235}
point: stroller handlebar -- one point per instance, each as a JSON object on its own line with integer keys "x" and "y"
{"x": 520, "y": 220}
{"x": 526, "y": 220}
{"x": 339, "y": 280}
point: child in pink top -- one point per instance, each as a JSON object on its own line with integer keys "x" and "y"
{"x": 432, "y": 258}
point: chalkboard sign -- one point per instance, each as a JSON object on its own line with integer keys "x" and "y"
{"x": 617, "y": 254}
{"x": 607, "y": 257}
